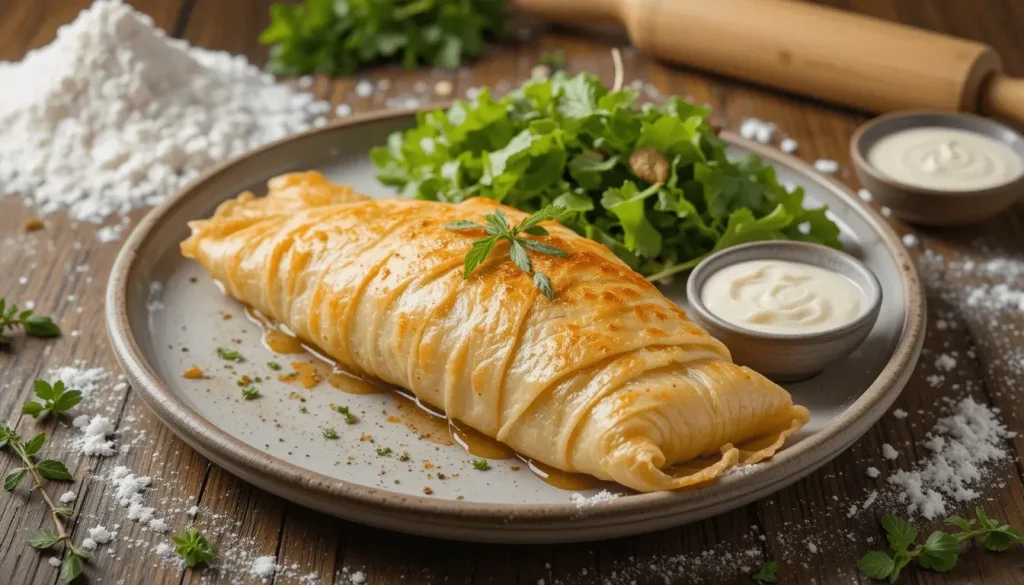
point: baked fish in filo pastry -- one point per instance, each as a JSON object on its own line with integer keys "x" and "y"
{"x": 609, "y": 378}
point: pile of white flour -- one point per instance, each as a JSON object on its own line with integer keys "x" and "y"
{"x": 113, "y": 114}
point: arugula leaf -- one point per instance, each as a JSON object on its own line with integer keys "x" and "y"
{"x": 337, "y": 37}
{"x": 568, "y": 141}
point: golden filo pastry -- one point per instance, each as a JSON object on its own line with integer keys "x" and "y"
{"x": 609, "y": 378}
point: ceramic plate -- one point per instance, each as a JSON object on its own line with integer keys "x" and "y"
{"x": 165, "y": 315}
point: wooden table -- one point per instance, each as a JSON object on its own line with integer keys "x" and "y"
{"x": 324, "y": 545}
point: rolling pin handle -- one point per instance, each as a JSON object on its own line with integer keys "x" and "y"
{"x": 1004, "y": 97}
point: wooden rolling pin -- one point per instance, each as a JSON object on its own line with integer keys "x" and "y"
{"x": 841, "y": 57}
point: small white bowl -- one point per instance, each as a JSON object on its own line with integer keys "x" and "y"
{"x": 787, "y": 357}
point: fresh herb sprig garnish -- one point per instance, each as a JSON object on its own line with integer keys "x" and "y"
{"x": 337, "y": 38}
{"x": 55, "y": 400}
{"x": 941, "y": 550}
{"x": 250, "y": 393}
{"x": 39, "y": 471}
{"x": 498, "y": 229}
{"x": 767, "y": 573}
{"x": 33, "y": 325}
{"x": 194, "y": 548}
{"x": 481, "y": 465}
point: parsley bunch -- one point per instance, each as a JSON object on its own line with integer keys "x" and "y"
{"x": 498, "y": 229}
{"x": 653, "y": 184}
{"x": 941, "y": 550}
{"x": 33, "y": 325}
{"x": 336, "y": 37}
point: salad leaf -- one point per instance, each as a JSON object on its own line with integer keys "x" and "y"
{"x": 337, "y": 37}
{"x": 653, "y": 184}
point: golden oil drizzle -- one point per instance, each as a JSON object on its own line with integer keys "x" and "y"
{"x": 562, "y": 479}
{"x": 423, "y": 420}
{"x": 275, "y": 337}
{"x": 479, "y": 444}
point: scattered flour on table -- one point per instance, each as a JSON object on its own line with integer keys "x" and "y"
{"x": 79, "y": 377}
{"x": 93, "y": 440}
{"x": 600, "y": 497}
{"x": 264, "y": 566}
{"x": 961, "y": 444}
{"x": 889, "y": 452}
{"x": 113, "y": 114}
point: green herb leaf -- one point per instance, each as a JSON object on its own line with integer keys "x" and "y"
{"x": 13, "y": 478}
{"x": 250, "y": 393}
{"x": 899, "y": 532}
{"x": 329, "y": 432}
{"x": 67, "y": 401}
{"x": 939, "y": 552}
{"x": 877, "y": 565}
{"x": 383, "y": 451}
{"x": 965, "y": 525}
{"x": 767, "y": 573}
{"x": 52, "y": 469}
{"x": 32, "y": 408}
{"x": 38, "y": 326}
{"x": 274, "y": 366}
{"x": 35, "y": 444}
{"x": 477, "y": 254}
{"x": 1000, "y": 539}
{"x": 463, "y": 225}
{"x": 64, "y": 511}
{"x": 71, "y": 569}
{"x": 345, "y": 412}
{"x": 230, "y": 355}
{"x": 43, "y": 539}
{"x": 543, "y": 283}
{"x": 481, "y": 465}
{"x": 543, "y": 248}
{"x": 44, "y": 390}
{"x": 194, "y": 548}
{"x": 519, "y": 257}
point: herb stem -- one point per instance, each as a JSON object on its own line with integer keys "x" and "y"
{"x": 38, "y": 480}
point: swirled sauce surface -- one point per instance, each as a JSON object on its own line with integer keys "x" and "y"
{"x": 775, "y": 296}
{"x": 945, "y": 159}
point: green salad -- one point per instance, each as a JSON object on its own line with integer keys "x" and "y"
{"x": 653, "y": 184}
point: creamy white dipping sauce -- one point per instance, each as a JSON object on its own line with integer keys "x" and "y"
{"x": 774, "y": 296}
{"x": 945, "y": 159}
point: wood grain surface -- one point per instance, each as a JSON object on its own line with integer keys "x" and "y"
{"x": 63, "y": 270}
